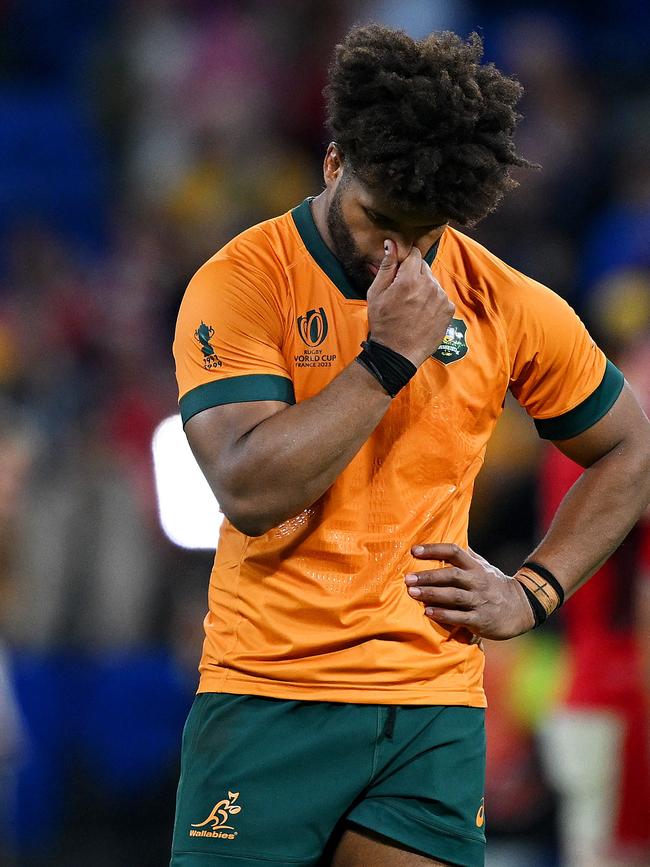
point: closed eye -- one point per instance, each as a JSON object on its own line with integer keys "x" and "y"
{"x": 384, "y": 222}
{"x": 380, "y": 220}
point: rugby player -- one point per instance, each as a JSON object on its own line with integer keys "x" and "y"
{"x": 341, "y": 369}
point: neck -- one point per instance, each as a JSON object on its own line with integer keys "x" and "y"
{"x": 319, "y": 206}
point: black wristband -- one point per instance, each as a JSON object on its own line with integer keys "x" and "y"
{"x": 389, "y": 368}
{"x": 544, "y": 573}
{"x": 539, "y": 613}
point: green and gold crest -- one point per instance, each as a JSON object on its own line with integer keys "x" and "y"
{"x": 454, "y": 343}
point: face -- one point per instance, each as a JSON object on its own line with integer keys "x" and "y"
{"x": 358, "y": 222}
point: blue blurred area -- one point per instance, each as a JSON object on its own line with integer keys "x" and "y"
{"x": 115, "y": 720}
{"x": 47, "y": 40}
{"x": 53, "y": 170}
{"x": 618, "y": 239}
{"x": 53, "y": 166}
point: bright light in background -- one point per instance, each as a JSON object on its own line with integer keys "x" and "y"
{"x": 189, "y": 514}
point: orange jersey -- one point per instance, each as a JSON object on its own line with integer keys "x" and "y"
{"x": 317, "y": 608}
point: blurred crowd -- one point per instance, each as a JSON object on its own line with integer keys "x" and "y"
{"x": 138, "y": 136}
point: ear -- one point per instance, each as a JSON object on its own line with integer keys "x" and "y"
{"x": 332, "y": 164}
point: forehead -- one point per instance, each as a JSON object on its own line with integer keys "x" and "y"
{"x": 408, "y": 216}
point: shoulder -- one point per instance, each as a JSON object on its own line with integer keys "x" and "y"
{"x": 514, "y": 297}
{"x": 483, "y": 271}
{"x": 255, "y": 263}
{"x": 268, "y": 248}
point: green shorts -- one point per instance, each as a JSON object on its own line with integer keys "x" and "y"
{"x": 274, "y": 781}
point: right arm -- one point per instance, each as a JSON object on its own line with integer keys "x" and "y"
{"x": 266, "y": 461}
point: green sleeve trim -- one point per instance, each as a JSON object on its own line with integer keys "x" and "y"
{"x": 587, "y": 413}
{"x": 236, "y": 389}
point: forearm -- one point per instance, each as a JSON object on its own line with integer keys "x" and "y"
{"x": 290, "y": 459}
{"x": 596, "y": 514}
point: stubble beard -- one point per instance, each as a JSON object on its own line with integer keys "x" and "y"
{"x": 345, "y": 250}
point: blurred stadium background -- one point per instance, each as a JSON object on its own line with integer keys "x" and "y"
{"x": 136, "y": 137}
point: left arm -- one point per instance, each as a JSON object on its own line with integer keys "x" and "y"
{"x": 593, "y": 519}
{"x": 603, "y": 505}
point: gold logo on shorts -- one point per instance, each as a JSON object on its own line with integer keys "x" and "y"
{"x": 219, "y": 818}
{"x": 480, "y": 816}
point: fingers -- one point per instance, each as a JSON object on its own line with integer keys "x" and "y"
{"x": 470, "y": 593}
{"x": 450, "y": 553}
{"x": 444, "y": 597}
{"x": 448, "y": 593}
{"x": 413, "y": 261}
{"x": 452, "y": 618}
{"x": 450, "y": 576}
{"x": 388, "y": 267}
{"x": 477, "y": 556}
{"x": 390, "y": 254}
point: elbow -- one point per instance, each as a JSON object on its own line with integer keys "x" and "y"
{"x": 249, "y": 520}
{"x": 246, "y": 510}
{"x": 249, "y": 527}
{"x": 254, "y": 510}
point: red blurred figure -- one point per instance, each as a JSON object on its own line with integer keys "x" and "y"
{"x": 597, "y": 745}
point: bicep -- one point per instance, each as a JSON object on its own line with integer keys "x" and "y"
{"x": 215, "y": 436}
{"x": 624, "y": 425}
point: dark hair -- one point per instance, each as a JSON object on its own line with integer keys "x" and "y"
{"x": 424, "y": 121}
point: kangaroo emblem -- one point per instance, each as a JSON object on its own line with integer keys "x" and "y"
{"x": 219, "y": 815}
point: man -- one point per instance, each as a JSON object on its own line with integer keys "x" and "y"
{"x": 340, "y": 709}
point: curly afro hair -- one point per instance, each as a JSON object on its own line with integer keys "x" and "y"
{"x": 424, "y": 121}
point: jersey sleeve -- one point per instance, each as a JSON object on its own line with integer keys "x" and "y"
{"x": 228, "y": 341}
{"x": 558, "y": 373}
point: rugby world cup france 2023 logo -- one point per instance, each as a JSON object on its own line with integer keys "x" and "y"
{"x": 312, "y": 327}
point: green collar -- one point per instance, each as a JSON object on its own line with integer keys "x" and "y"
{"x": 323, "y": 256}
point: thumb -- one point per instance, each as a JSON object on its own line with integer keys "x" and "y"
{"x": 388, "y": 267}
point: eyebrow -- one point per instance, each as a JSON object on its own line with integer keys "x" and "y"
{"x": 383, "y": 218}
